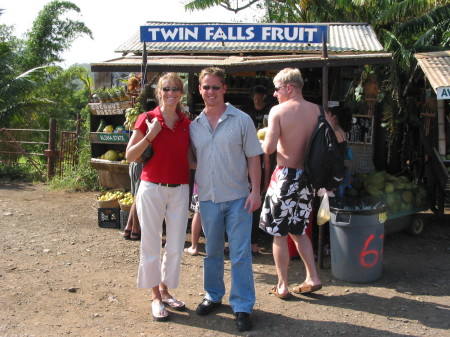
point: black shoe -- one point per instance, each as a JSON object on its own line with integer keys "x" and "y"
{"x": 243, "y": 321}
{"x": 206, "y": 307}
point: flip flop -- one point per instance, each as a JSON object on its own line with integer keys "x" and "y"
{"x": 306, "y": 288}
{"x": 275, "y": 292}
{"x": 126, "y": 234}
{"x": 186, "y": 250}
{"x": 159, "y": 312}
{"x": 134, "y": 236}
{"x": 174, "y": 303}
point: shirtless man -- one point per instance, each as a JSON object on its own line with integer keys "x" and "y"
{"x": 287, "y": 204}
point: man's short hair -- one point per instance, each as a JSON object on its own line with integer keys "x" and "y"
{"x": 259, "y": 89}
{"x": 216, "y": 71}
{"x": 289, "y": 76}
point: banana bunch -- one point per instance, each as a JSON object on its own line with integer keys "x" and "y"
{"x": 131, "y": 115}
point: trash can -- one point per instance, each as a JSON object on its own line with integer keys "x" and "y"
{"x": 356, "y": 239}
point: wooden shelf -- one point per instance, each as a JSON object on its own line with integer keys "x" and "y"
{"x": 109, "y": 165}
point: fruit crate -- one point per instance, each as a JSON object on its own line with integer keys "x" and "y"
{"x": 123, "y": 219}
{"x": 111, "y": 203}
{"x": 109, "y": 218}
{"x": 399, "y": 203}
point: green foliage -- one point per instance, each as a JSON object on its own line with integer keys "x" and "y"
{"x": 234, "y": 6}
{"x": 51, "y": 34}
{"x": 30, "y": 92}
{"x": 17, "y": 172}
{"x": 16, "y": 91}
{"x": 81, "y": 177}
{"x": 68, "y": 94}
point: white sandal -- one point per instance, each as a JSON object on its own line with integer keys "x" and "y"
{"x": 159, "y": 311}
{"x": 174, "y": 303}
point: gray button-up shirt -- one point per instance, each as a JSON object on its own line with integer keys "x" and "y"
{"x": 222, "y": 172}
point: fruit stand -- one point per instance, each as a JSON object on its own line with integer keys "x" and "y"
{"x": 109, "y": 140}
{"x": 403, "y": 198}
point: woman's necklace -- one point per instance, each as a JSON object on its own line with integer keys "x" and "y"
{"x": 170, "y": 120}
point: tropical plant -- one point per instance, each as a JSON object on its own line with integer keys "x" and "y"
{"x": 51, "y": 34}
{"x": 404, "y": 27}
{"x": 33, "y": 88}
{"x": 16, "y": 96}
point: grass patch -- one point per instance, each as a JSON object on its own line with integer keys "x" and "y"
{"x": 15, "y": 172}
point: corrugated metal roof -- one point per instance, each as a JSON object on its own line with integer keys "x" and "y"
{"x": 354, "y": 37}
{"x": 234, "y": 63}
{"x": 436, "y": 66}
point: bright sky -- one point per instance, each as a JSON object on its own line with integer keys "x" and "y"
{"x": 112, "y": 22}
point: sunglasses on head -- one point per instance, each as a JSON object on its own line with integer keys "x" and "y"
{"x": 174, "y": 89}
{"x": 214, "y": 87}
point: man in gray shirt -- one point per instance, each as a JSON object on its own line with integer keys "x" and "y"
{"x": 227, "y": 151}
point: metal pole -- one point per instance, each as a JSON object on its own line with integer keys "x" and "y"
{"x": 144, "y": 66}
{"x": 325, "y": 107}
{"x": 324, "y": 74}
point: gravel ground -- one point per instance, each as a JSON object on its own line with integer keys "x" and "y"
{"x": 61, "y": 274}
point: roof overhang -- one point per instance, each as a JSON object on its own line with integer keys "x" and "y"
{"x": 436, "y": 67}
{"x": 234, "y": 64}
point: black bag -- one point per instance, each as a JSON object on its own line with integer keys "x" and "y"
{"x": 324, "y": 166}
{"x": 148, "y": 152}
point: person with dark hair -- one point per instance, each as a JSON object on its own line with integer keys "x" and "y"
{"x": 258, "y": 111}
{"x": 260, "y": 107}
{"x": 227, "y": 151}
{"x": 163, "y": 193}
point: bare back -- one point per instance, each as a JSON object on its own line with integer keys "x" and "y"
{"x": 297, "y": 120}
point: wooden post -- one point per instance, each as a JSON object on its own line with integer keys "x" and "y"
{"x": 77, "y": 140}
{"x": 50, "y": 153}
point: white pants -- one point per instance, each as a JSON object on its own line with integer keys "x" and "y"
{"x": 154, "y": 203}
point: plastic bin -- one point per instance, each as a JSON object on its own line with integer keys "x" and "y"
{"x": 109, "y": 218}
{"x": 356, "y": 238}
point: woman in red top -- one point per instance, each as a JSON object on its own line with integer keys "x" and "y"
{"x": 163, "y": 193}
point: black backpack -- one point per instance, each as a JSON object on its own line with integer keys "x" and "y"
{"x": 324, "y": 165}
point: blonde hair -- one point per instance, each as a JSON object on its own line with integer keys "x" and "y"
{"x": 169, "y": 77}
{"x": 289, "y": 76}
{"x": 216, "y": 71}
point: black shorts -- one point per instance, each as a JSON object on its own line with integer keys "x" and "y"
{"x": 287, "y": 204}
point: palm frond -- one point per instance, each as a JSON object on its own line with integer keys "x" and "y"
{"x": 401, "y": 55}
{"x": 435, "y": 17}
{"x": 205, "y": 4}
{"x": 201, "y": 4}
{"x": 401, "y": 11}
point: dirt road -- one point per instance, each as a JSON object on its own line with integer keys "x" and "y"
{"x": 60, "y": 274}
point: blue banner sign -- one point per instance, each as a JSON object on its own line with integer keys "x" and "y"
{"x": 299, "y": 33}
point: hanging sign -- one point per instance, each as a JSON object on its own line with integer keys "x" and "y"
{"x": 289, "y": 33}
{"x": 443, "y": 93}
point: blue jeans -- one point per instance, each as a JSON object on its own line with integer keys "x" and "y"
{"x": 229, "y": 216}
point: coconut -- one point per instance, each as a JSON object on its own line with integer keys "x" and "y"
{"x": 111, "y": 155}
